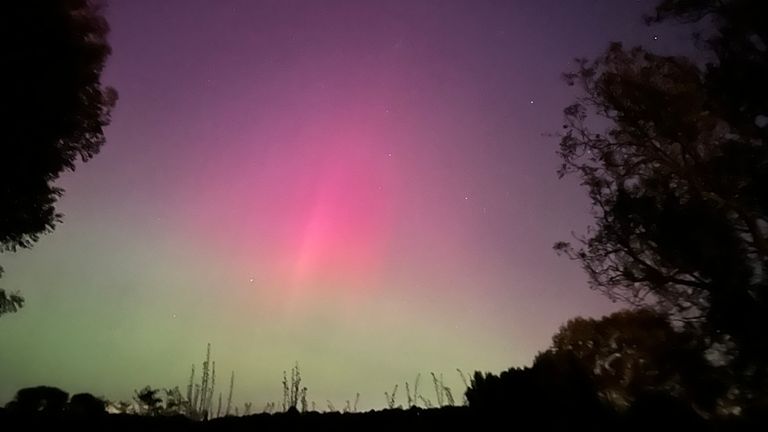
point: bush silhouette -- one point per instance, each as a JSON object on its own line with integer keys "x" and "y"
{"x": 39, "y": 400}
{"x": 556, "y": 383}
{"x": 86, "y": 405}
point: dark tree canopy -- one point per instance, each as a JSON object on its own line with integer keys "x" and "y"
{"x": 53, "y": 109}
{"x": 41, "y": 399}
{"x": 739, "y": 43}
{"x": 553, "y": 384}
{"x": 632, "y": 352}
{"x": 678, "y": 178}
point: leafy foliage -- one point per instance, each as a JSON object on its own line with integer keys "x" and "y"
{"x": 149, "y": 400}
{"x": 52, "y": 113}
{"x": 632, "y": 352}
{"x": 677, "y": 179}
{"x": 10, "y": 302}
{"x": 54, "y": 107}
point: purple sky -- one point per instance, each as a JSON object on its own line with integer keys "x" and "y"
{"x": 361, "y": 186}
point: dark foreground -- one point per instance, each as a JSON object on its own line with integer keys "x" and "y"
{"x": 449, "y": 418}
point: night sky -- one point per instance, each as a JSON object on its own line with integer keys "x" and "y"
{"x": 364, "y": 187}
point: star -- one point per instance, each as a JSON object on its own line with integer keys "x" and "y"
{"x": 251, "y": 280}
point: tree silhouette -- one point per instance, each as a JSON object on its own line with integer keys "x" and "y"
{"x": 553, "y": 384}
{"x": 10, "y": 302}
{"x": 53, "y": 109}
{"x": 39, "y": 400}
{"x": 678, "y": 177}
{"x": 149, "y": 400}
{"x": 633, "y": 352}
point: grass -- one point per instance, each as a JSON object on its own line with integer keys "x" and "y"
{"x": 198, "y": 401}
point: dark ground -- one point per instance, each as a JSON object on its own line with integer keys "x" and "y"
{"x": 449, "y": 418}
